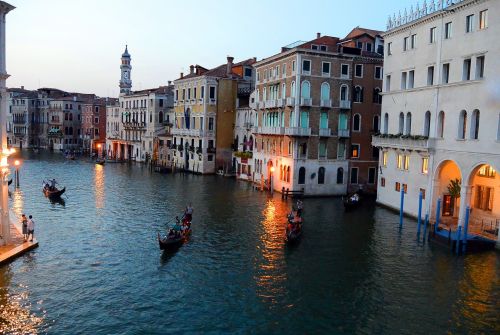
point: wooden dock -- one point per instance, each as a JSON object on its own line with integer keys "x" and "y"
{"x": 18, "y": 246}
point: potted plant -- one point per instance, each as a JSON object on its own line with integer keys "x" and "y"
{"x": 454, "y": 188}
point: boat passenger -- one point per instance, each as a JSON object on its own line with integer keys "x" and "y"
{"x": 53, "y": 184}
{"x": 299, "y": 207}
{"x": 188, "y": 214}
{"x": 290, "y": 217}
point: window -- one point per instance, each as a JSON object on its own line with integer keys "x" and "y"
{"x": 430, "y": 76}
{"x": 359, "y": 45}
{"x": 314, "y": 47}
{"x": 377, "y": 97}
{"x": 480, "y": 67}
{"x": 400, "y": 161}
{"x": 440, "y": 128}
{"x": 401, "y": 122}
{"x": 388, "y": 83}
{"x": 484, "y": 198}
{"x": 376, "y": 124}
{"x": 302, "y": 175}
{"x": 483, "y": 19}
{"x": 397, "y": 187}
{"x": 344, "y": 71}
{"x": 248, "y": 72}
{"x": 293, "y": 66}
{"x": 408, "y": 124}
{"x": 413, "y": 42}
{"x": 210, "y": 158}
{"x": 323, "y": 48}
{"x": 340, "y": 175}
{"x": 322, "y": 149}
{"x": 368, "y": 47}
{"x": 343, "y": 93}
{"x": 425, "y": 165}
{"x": 486, "y": 171}
{"x": 462, "y": 125}
{"x": 404, "y": 76}
{"x": 202, "y": 92}
{"x": 321, "y": 175}
{"x": 446, "y": 73}
{"x": 356, "y": 122}
{"x": 358, "y": 70}
{"x": 422, "y": 191}
{"x": 382, "y": 182}
{"x": 358, "y": 94}
{"x": 283, "y": 69}
{"x": 325, "y": 68}
{"x": 306, "y": 66}
{"x": 407, "y": 163}
{"x": 405, "y": 44}
{"x": 427, "y": 123}
{"x": 447, "y": 30}
{"x": 469, "y": 23}
{"x": 411, "y": 79}
{"x": 378, "y": 72}
{"x": 354, "y": 175}
{"x": 323, "y": 120}
{"x": 371, "y": 175}
{"x": 474, "y": 129}
{"x": 210, "y": 123}
{"x": 212, "y": 92}
{"x": 354, "y": 150}
{"x": 432, "y": 35}
{"x": 389, "y": 48}
{"x": 305, "y": 91}
{"x": 384, "y": 158}
{"x": 466, "y": 69}
{"x": 325, "y": 92}
{"x": 405, "y": 188}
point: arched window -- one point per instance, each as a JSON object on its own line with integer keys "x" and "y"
{"x": 462, "y": 125}
{"x": 283, "y": 91}
{"x": 292, "y": 89}
{"x": 250, "y": 142}
{"x": 376, "y": 124}
{"x": 427, "y": 123}
{"x": 340, "y": 175}
{"x": 305, "y": 91}
{"x": 160, "y": 117}
{"x": 325, "y": 91}
{"x": 401, "y": 122}
{"x": 408, "y": 123}
{"x": 302, "y": 175}
{"x": 321, "y": 175}
{"x": 440, "y": 126}
{"x": 474, "y": 127}
{"x": 71, "y": 130}
{"x": 358, "y": 94}
{"x": 344, "y": 93}
{"x": 356, "y": 122}
{"x": 281, "y": 172}
{"x": 288, "y": 174}
{"x": 377, "y": 98}
{"x": 245, "y": 143}
{"x": 386, "y": 123}
{"x": 70, "y": 116}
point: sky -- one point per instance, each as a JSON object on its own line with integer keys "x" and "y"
{"x": 76, "y": 45}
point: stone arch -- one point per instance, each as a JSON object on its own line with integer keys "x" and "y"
{"x": 446, "y": 171}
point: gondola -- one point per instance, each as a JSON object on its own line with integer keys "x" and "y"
{"x": 352, "y": 201}
{"x": 292, "y": 236}
{"x": 100, "y": 161}
{"x": 174, "y": 242}
{"x": 52, "y": 194}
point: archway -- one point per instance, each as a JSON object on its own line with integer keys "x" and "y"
{"x": 447, "y": 182}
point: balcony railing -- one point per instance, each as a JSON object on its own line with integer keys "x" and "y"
{"x": 187, "y": 132}
{"x": 270, "y": 130}
{"x": 344, "y": 133}
{"x": 305, "y": 101}
{"x": 298, "y": 131}
{"x": 281, "y": 102}
{"x": 325, "y": 132}
{"x": 345, "y": 104}
{"x": 403, "y": 142}
{"x": 326, "y": 103}
{"x": 290, "y": 101}
{"x": 270, "y": 104}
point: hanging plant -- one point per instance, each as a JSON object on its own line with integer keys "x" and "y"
{"x": 454, "y": 187}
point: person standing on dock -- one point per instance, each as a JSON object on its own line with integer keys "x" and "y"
{"x": 31, "y": 228}
{"x": 24, "y": 222}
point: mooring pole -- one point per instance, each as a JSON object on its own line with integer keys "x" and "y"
{"x": 401, "y": 206}
{"x": 438, "y": 210}
{"x": 425, "y": 225}
{"x": 419, "y": 220}
{"x": 466, "y": 228}
{"x": 459, "y": 232}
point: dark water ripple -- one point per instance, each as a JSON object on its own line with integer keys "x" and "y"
{"x": 98, "y": 269}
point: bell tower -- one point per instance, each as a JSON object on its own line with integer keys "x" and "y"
{"x": 125, "y": 79}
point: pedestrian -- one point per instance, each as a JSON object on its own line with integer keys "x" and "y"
{"x": 31, "y": 227}
{"x": 24, "y": 221}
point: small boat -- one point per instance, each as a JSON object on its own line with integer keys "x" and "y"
{"x": 100, "y": 161}
{"x": 293, "y": 235}
{"x": 352, "y": 201}
{"x": 54, "y": 193}
{"x": 174, "y": 241}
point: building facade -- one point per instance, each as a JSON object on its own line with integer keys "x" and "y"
{"x": 440, "y": 120}
{"x": 94, "y": 114}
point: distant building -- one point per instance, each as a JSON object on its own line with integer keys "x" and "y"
{"x": 94, "y": 123}
{"x": 205, "y": 105}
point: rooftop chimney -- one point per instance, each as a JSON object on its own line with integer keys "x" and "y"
{"x": 182, "y": 75}
{"x": 255, "y": 59}
{"x": 229, "y": 68}
{"x": 169, "y": 82}
{"x": 22, "y": 87}
{"x": 191, "y": 69}
{"x": 318, "y": 35}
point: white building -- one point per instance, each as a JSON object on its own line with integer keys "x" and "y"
{"x": 440, "y": 112}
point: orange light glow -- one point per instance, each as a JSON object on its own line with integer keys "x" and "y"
{"x": 17, "y": 163}
{"x": 272, "y": 169}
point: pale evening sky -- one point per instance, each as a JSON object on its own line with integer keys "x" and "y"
{"x": 75, "y": 45}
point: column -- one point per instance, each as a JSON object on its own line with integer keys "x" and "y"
{"x": 465, "y": 200}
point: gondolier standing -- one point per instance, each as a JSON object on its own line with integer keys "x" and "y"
{"x": 188, "y": 214}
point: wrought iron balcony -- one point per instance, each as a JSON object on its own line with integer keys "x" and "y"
{"x": 344, "y": 133}
{"x": 298, "y": 131}
{"x": 325, "y": 132}
{"x": 345, "y": 104}
{"x": 407, "y": 142}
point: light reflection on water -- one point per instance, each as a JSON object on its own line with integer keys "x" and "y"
{"x": 98, "y": 268}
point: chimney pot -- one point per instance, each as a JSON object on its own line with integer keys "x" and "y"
{"x": 318, "y": 35}
{"x": 191, "y": 69}
{"x": 182, "y": 75}
{"x": 169, "y": 82}
{"x": 22, "y": 87}
{"x": 229, "y": 68}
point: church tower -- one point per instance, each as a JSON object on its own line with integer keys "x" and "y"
{"x": 125, "y": 67}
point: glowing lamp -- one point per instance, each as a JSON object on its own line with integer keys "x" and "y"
{"x": 17, "y": 163}
{"x": 272, "y": 169}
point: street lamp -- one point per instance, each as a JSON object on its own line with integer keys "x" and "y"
{"x": 271, "y": 179}
{"x": 17, "y": 163}
{"x": 99, "y": 150}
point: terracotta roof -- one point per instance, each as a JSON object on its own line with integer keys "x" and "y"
{"x": 358, "y": 31}
{"x": 219, "y": 71}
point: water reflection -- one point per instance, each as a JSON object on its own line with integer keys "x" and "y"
{"x": 99, "y": 186}
{"x": 271, "y": 277}
{"x": 17, "y": 204}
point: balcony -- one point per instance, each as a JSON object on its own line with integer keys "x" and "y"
{"x": 187, "y": 132}
{"x": 406, "y": 142}
{"x": 345, "y": 104}
{"x": 248, "y": 125}
{"x": 212, "y": 101}
{"x": 290, "y": 101}
{"x": 281, "y": 102}
{"x": 305, "y": 101}
{"x": 344, "y": 133}
{"x": 270, "y": 130}
{"x": 325, "y": 132}
{"x": 211, "y": 150}
{"x": 298, "y": 131}
{"x": 270, "y": 104}
{"x": 326, "y": 103}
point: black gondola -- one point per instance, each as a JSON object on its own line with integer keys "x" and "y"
{"x": 352, "y": 201}
{"x": 173, "y": 242}
{"x": 293, "y": 235}
{"x": 100, "y": 161}
{"x": 54, "y": 193}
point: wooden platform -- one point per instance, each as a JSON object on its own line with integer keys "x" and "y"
{"x": 18, "y": 246}
{"x": 474, "y": 242}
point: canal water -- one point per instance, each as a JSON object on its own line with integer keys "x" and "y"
{"x": 99, "y": 270}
